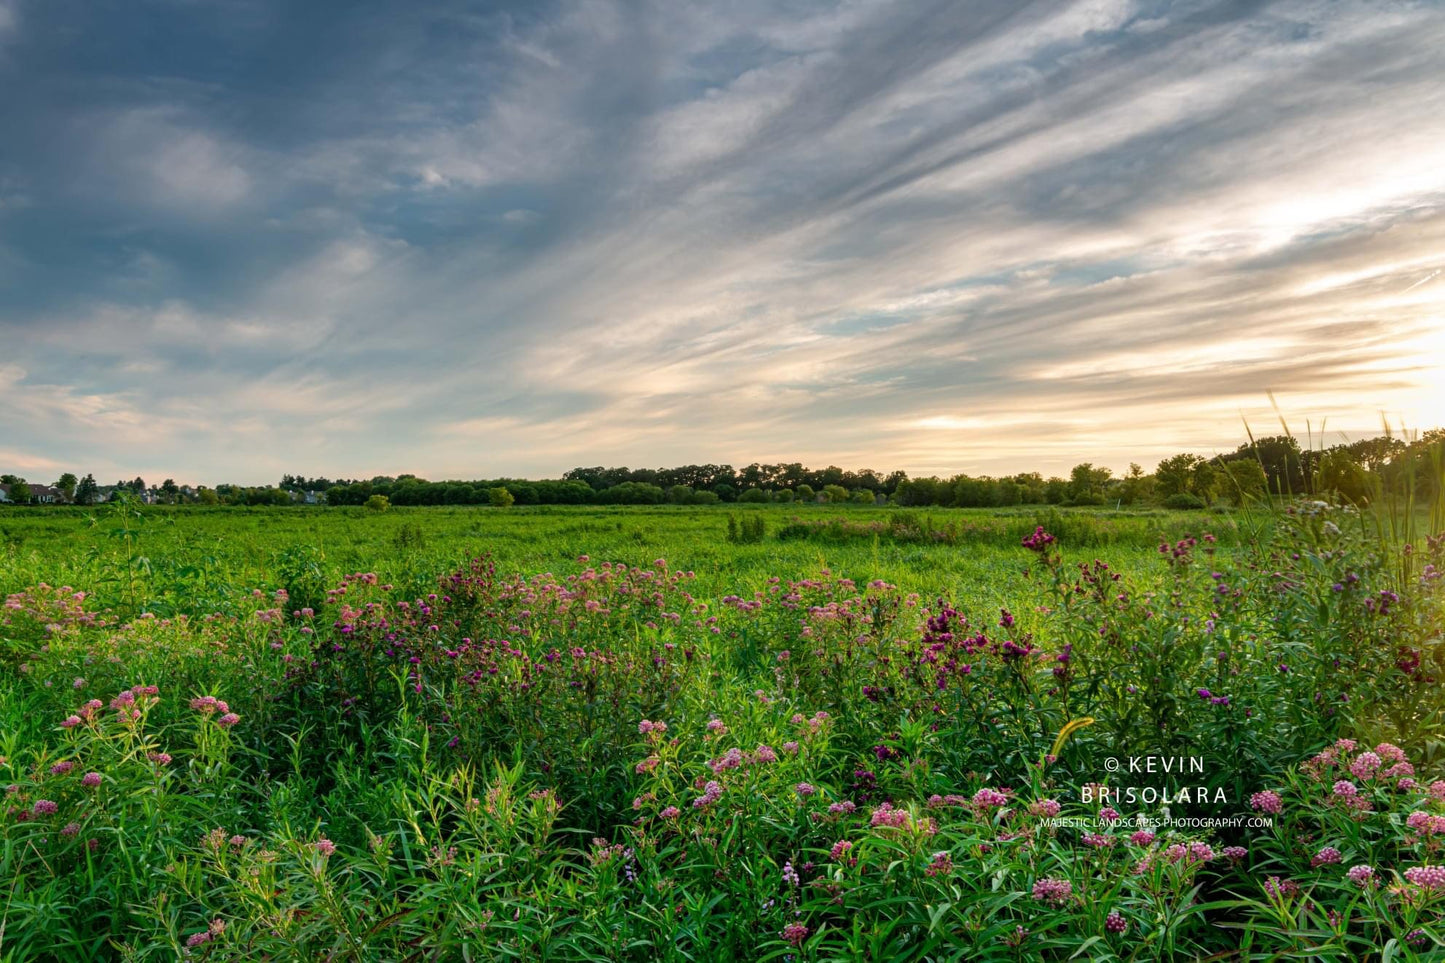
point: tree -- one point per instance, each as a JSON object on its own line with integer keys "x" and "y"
{"x": 66, "y": 483}
{"x": 862, "y": 496}
{"x": 138, "y": 485}
{"x": 500, "y": 498}
{"x": 19, "y": 492}
{"x": 1282, "y": 460}
{"x": 1136, "y": 487}
{"x": 87, "y": 492}
{"x": 171, "y": 492}
{"x": 1174, "y": 476}
{"x": 1338, "y": 472}
{"x": 1202, "y": 480}
{"x": 805, "y": 492}
{"x": 1086, "y": 484}
{"x": 835, "y": 493}
{"x": 208, "y": 496}
{"x": 1242, "y": 479}
{"x": 378, "y": 503}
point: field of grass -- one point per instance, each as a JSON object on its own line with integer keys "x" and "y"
{"x": 635, "y": 734}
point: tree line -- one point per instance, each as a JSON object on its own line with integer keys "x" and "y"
{"x": 1275, "y": 465}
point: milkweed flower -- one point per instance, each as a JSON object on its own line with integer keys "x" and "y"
{"x": 1268, "y": 801}
{"x": 1050, "y": 890}
{"x": 795, "y": 933}
{"x": 1361, "y": 875}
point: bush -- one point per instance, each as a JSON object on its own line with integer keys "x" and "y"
{"x": 1184, "y": 501}
{"x": 378, "y": 503}
{"x": 750, "y": 532}
{"x": 753, "y": 496}
{"x": 500, "y": 498}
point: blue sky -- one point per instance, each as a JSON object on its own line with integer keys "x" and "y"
{"x": 246, "y": 237}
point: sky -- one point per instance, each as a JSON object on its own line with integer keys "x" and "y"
{"x": 241, "y": 238}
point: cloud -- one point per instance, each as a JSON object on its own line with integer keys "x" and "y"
{"x": 976, "y": 236}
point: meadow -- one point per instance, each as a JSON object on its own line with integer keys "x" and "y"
{"x": 705, "y": 733}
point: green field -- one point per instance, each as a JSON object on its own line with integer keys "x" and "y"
{"x": 198, "y": 560}
{"x": 717, "y": 733}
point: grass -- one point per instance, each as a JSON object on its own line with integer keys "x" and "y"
{"x": 621, "y": 734}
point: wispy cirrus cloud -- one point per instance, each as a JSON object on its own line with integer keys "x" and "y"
{"x": 976, "y": 236}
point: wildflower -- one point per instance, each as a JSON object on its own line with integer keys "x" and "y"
{"x": 1235, "y": 853}
{"x": 1361, "y": 874}
{"x": 71, "y": 722}
{"x": 1268, "y": 801}
{"x": 1115, "y": 922}
{"x": 1281, "y": 888}
{"x": 325, "y": 847}
{"x": 1109, "y": 814}
{"x": 885, "y": 816}
{"x": 1427, "y": 877}
{"x": 731, "y": 759}
{"x": 71, "y": 829}
{"x": 1365, "y": 766}
{"x": 986, "y": 797}
{"x": 710, "y": 794}
{"x": 1327, "y": 856}
{"x": 228, "y": 720}
{"x": 764, "y": 754}
{"x": 795, "y": 933}
{"x": 790, "y": 875}
{"x": 942, "y": 865}
{"x": 44, "y": 807}
{"x": 62, "y": 767}
{"x": 1047, "y": 808}
{"x": 90, "y": 780}
{"x": 839, "y": 850}
{"x": 1344, "y": 787}
{"x": 671, "y": 812}
{"x": 1097, "y": 840}
{"x": 1050, "y": 890}
{"x": 1142, "y": 837}
{"x": 160, "y": 758}
{"x": 805, "y": 789}
{"x": 842, "y": 808}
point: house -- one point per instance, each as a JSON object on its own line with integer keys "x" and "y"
{"x": 314, "y": 498}
{"x": 39, "y": 494}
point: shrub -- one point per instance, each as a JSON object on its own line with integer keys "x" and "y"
{"x": 500, "y": 498}
{"x": 378, "y": 503}
{"x": 750, "y": 532}
{"x": 753, "y": 496}
{"x": 1184, "y": 500}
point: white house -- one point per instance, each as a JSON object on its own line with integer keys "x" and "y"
{"x": 39, "y": 494}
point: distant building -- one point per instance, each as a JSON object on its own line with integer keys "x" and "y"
{"x": 39, "y": 495}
